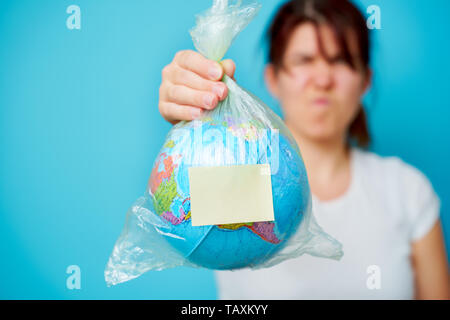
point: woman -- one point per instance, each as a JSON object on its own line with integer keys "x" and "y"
{"x": 384, "y": 211}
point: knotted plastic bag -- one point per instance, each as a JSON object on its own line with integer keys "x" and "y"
{"x": 158, "y": 232}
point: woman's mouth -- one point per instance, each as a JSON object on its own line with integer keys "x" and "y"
{"x": 321, "y": 102}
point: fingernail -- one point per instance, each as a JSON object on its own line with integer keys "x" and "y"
{"x": 219, "y": 90}
{"x": 196, "y": 113}
{"x": 215, "y": 73}
{"x": 208, "y": 100}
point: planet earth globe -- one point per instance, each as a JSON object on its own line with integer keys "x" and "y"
{"x": 229, "y": 246}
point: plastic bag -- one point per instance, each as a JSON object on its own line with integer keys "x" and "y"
{"x": 241, "y": 130}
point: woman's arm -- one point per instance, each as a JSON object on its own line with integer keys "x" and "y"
{"x": 431, "y": 265}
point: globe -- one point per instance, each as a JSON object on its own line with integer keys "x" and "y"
{"x": 230, "y": 246}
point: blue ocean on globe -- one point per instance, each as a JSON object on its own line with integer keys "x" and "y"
{"x": 230, "y": 246}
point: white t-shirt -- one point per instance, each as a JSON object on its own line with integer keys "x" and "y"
{"x": 388, "y": 205}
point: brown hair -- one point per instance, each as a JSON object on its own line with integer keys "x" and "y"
{"x": 342, "y": 16}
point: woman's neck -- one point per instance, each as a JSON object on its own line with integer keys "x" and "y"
{"x": 327, "y": 164}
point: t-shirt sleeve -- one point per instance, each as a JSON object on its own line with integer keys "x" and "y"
{"x": 421, "y": 202}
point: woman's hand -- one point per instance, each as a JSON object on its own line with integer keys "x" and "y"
{"x": 190, "y": 84}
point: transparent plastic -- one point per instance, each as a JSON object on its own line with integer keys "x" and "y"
{"x": 158, "y": 233}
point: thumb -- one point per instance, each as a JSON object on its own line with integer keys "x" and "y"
{"x": 229, "y": 67}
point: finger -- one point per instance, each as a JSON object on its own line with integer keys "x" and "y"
{"x": 180, "y": 76}
{"x": 186, "y": 96}
{"x": 174, "y": 112}
{"x": 195, "y": 62}
{"x": 229, "y": 67}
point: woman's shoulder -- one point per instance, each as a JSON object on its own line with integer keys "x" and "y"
{"x": 401, "y": 184}
{"x": 389, "y": 167}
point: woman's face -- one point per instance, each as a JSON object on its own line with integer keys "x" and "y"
{"x": 320, "y": 97}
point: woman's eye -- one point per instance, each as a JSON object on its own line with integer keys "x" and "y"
{"x": 338, "y": 60}
{"x": 303, "y": 61}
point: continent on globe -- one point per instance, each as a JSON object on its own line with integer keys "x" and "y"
{"x": 263, "y": 229}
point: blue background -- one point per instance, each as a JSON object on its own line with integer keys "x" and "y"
{"x": 80, "y": 128}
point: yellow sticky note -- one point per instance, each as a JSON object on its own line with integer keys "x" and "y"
{"x": 230, "y": 194}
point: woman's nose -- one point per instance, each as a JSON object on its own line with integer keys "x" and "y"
{"x": 323, "y": 75}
